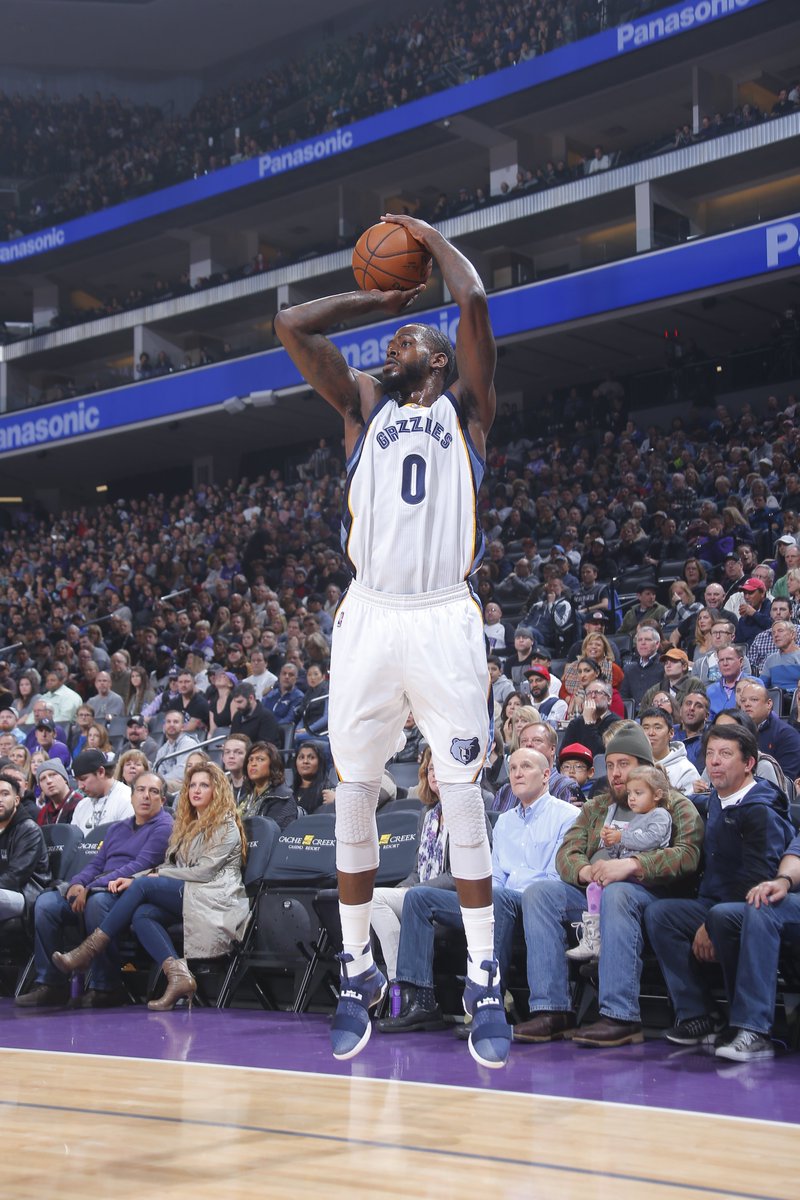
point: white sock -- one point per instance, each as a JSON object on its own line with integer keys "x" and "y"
{"x": 355, "y": 920}
{"x": 479, "y": 928}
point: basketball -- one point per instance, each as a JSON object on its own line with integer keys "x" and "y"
{"x": 387, "y": 256}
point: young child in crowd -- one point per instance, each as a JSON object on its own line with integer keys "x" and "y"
{"x": 577, "y": 762}
{"x": 650, "y": 828}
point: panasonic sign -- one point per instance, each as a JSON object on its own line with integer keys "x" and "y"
{"x": 48, "y": 239}
{"x": 648, "y": 30}
{"x": 783, "y": 243}
{"x": 35, "y": 431}
{"x": 307, "y": 152}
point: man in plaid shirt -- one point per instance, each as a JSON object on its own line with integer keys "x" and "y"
{"x": 629, "y": 886}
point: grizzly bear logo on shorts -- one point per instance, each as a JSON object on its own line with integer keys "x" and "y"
{"x": 465, "y": 750}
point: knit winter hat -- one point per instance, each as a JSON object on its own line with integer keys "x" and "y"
{"x": 631, "y": 741}
{"x": 53, "y": 764}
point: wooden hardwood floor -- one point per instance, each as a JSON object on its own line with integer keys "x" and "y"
{"x": 109, "y": 1128}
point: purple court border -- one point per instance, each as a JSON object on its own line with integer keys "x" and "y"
{"x": 653, "y": 1075}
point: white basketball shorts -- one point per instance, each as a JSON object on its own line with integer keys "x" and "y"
{"x": 394, "y": 653}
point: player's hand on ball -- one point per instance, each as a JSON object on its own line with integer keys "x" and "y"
{"x": 418, "y": 229}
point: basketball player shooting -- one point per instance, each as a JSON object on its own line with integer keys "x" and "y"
{"x": 408, "y": 633}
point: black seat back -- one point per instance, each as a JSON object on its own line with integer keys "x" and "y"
{"x": 60, "y": 841}
{"x": 84, "y": 850}
{"x": 304, "y": 853}
{"x": 262, "y": 834}
{"x": 397, "y": 846}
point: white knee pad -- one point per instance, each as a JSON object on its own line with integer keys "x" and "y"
{"x": 356, "y": 827}
{"x": 465, "y": 819}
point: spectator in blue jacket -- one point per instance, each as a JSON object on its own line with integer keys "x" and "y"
{"x": 747, "y": 833}
{"x": 754, "y": 611}
{"x": 775, "y": 737}
{"x": 313, "y": 722}
{"x": 782, "y": 668}
{"x": 130, "y": 846}
{"x": 285, "y": 700}
{"x": 747, "y": 943}
{"x": 722, "y": 694}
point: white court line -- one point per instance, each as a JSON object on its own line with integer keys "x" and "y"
{"x": 451, "y": 1087}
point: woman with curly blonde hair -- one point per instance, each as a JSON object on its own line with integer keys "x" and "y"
{"x": 200, "y": 882}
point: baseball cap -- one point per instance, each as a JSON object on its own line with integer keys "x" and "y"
{"x": 599, "y": 540}
{"x": 46, "y": 723}
{"x": 598, "y": 616}
{"x": 753, "y": 585}
{"x": 541, "y": 652}
{"x": 649, "y": 586}
{"x": 675, "y": 655}
{"x": 786, "y": 539}
{"x": 576, "y": 750}
{"x": 136, "y": 719}
{"x": 538, "y": 669}
{"x": 88, "y": 762}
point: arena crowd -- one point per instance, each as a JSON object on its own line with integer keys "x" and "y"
{"x": 640, "y": 594}
{"x": 107, "y": 151}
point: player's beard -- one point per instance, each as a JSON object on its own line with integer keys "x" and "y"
{"x": 407, "y": 379}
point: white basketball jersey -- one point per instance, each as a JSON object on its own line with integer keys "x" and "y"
{"x": 410, "y": 509}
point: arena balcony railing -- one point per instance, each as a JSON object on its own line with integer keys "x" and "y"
{"x": 664, "y": 162}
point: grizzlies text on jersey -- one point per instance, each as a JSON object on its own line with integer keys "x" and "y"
{"x": 410, "y": 509}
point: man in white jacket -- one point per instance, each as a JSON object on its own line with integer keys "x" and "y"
{"x": 670, "y": 756}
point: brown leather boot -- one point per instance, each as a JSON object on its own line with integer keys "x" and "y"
{"x": 180, "y": 982}
{"x": 80, "y": 958}
{"x": 545, "y": 1027}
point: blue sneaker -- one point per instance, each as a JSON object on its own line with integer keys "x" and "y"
{"x": 490, "y": 1036}
{"x": 351, "y": 1026}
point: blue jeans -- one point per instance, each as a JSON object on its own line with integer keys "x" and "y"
{"x": 148, "y": 906}
{"x": 671, "y": 927}
{"x": 424, "y": 907}
{"x": 51, "y": 916}
{"x": 548, "y": 907}
{"x": 747, "y": 942}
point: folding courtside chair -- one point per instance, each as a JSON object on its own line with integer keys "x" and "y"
{"x": 285, "y": 927}
{"x": 397, "y": 849}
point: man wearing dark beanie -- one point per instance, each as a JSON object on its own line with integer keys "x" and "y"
{"x": 549, "y": 906}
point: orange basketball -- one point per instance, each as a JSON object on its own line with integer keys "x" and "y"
{"x": 387, "y": 256}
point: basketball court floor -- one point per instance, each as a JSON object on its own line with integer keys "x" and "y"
{"x": 233, "y": 1104}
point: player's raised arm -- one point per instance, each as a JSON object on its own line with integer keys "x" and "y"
{"x": 301, "y": 329}
{"x": 476, "y": 353}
